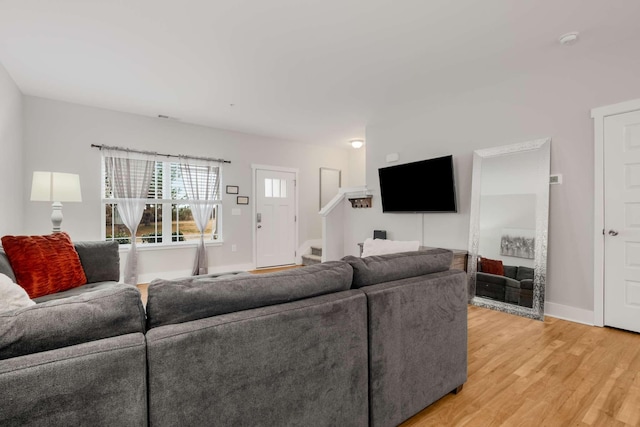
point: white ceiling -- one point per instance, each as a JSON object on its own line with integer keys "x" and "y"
{"x": 315, "y": 71}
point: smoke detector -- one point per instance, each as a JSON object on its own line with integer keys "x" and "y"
{"x": 569, "y": 38}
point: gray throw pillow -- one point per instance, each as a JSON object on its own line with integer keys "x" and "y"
{"x": 100, "y": 260}
{"x": 510, "y": 271}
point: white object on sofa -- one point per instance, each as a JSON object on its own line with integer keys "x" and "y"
{"x": 12, "y": 295}
{"x": 383, "y": 246}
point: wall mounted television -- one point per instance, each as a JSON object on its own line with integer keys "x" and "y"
{"x": 417, "y": 187}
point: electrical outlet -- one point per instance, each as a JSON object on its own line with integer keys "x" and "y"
{"x": 234, "y": 248}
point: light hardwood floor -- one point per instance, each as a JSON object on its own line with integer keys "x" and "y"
{"x": 554, "y": 373}
{"x": 274, "y": 269}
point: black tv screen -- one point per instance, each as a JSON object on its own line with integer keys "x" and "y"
{"x": 425, "y": 186}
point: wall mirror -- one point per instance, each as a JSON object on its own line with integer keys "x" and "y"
{"x": 330, "y": 182}
{"x": 508, "y": 230}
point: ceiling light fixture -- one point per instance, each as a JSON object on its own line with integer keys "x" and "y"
{"x": 569, "y": 38}
{"x": 357, "y": 143}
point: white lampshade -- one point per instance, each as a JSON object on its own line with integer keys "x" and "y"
{"x": 55, "y": 187}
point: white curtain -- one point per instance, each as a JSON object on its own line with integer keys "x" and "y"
{"x": 202, "y": 185}
{"x": 129, "y": 179}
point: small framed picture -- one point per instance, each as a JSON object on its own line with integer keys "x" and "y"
{"x": 242, "y": 200}
{"x": 233, "y": 189}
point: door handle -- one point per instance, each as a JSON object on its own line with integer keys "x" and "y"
{"x": 259, "y": 226}
{"x": 613, "y": 233}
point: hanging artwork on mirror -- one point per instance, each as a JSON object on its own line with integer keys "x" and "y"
{"x": 518, "y": 243}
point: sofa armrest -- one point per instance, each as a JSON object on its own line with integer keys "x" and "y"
{"x": 99, "y": 383}
{"x": 417, "y": 343}
{"x": 496, "y": 279}
{"x": 526, "y": 284}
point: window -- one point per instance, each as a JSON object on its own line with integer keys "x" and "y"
{"x": 167, "y": 211}
{"x": 274, "y": 187}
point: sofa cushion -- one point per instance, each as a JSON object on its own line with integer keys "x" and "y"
{"x": 89, "y": 287}
{"x": 510, "y": 271}
{"x": 385, "y": 268}
{"x": 191, "y": 298}
{"x": 100, "y": 260}
{"x": 63, "y": 322}
{"x": 524, "y": 273}
{"x": 44, "y": 264}
{"x": 5, "y": 266}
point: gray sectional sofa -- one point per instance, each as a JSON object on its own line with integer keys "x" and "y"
{"x": 77, "y": 357}
{"x": 362, "y": 341}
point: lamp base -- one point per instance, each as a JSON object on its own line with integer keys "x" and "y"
{"x": 56, "y": 216}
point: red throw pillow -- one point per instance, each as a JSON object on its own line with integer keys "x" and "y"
{"x": 492, "y": 266}
{"x": 44, "y": 264}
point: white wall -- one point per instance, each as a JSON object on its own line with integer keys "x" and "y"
{"x": 11, "y": 188}
{"x": 58, "y": 137}
{"x": 499, "y": 212}
{"x": 553, "y": 100}
{"x": 357, "y": 167}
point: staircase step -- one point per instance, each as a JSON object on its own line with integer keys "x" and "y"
{"x": 316, "y": 250}
{"x": 311, "y": 259}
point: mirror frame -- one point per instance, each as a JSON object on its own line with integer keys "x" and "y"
{"x": 542, "y": 223}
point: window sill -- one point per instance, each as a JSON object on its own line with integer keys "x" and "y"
{"x": 144, "y": 247}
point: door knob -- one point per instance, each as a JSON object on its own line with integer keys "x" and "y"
{"x": 613, "y": 233}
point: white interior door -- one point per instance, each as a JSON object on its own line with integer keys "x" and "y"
{"x": 275, "y": 218}
{"x": 622, "y": 221}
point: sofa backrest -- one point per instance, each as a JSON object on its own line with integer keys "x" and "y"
{"x": 518, "y": 272}
{"x": 100, "y": 261}
{"x": 5, "y": 266}
{"x": 386, "y": 268}
{"x": 192, "y": 298}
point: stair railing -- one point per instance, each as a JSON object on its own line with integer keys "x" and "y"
{"x": 333, "y": 223}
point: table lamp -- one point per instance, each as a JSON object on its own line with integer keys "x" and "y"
{"x": 56, "y": 187}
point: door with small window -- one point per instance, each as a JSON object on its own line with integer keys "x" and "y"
{"x": 275, "y": 218}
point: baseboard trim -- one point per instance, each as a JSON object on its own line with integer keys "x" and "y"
{"x": 175, "y": 274}
{"x": 566, "y": 312}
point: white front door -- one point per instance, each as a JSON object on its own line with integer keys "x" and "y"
{"x": 622, "y": 221}
{"x": 275, "y": 218}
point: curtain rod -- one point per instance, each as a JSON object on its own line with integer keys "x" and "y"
{"x": 129, "y": 150}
